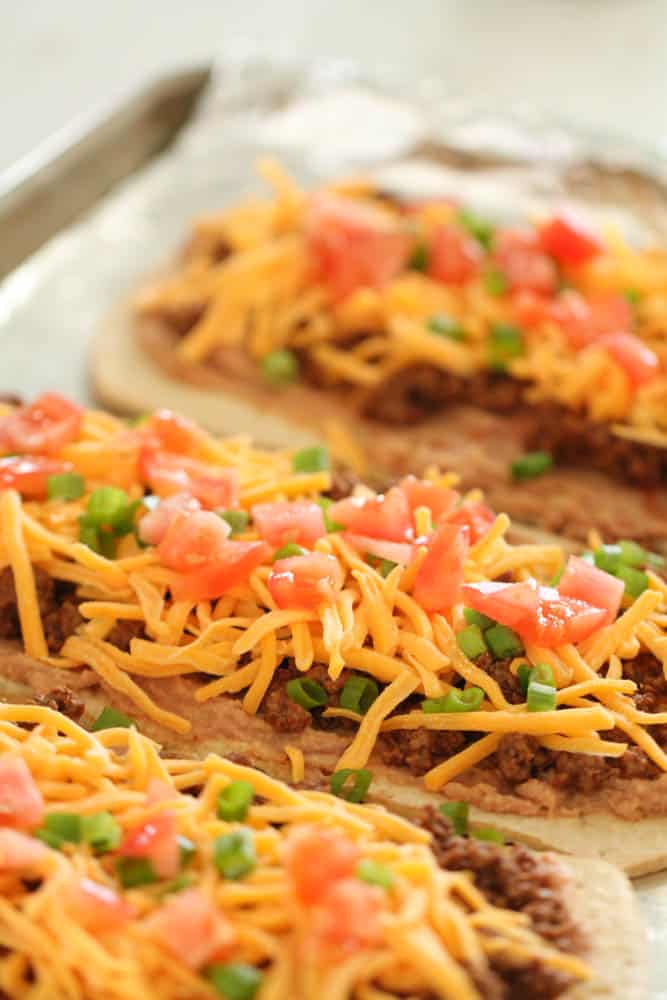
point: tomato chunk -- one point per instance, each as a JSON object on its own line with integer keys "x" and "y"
{"x": 348, "y": 918}
{"x": 531, "y": 308}
{"x": 231, "y": 566}
{"x": 397, "y": 552}
{"x": 99, "y": 908}
{"x": 474, "y": 517}
{"x": 154, "y": 525}
{"x": 539, "y": 614}
{"x": 29, "y": 474}
{"x": 305, "y": 581}
{"x": 354, "y": 246}
{"x": 21, "y": 802}
{"x": 300, "y": 521}
{"x": 174, "y": 432}
{"x": 168, "y": 473}
{"x": 525, "y": 266}
{"x": 385, "y": 516}
{"x": 420, "y": 493}
{"x": 192, "y": 928}
{"x": 42, "y": 428}
{"x": 438, "y": 581}
{"x": 637, "y": 360}
{"x": 316, "y": 858}
{"x": 454, "y": 256}
{"x": 586, "y": 320}
{"x": 568, "y": 241}
{"x": 19, "y": 852}
{"x": 192, "y": 540}
{"x": 588, "y": 583}
{"x": 155, "y": 840}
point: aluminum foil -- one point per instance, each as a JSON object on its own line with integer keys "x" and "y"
{"x": 320, "y": 121}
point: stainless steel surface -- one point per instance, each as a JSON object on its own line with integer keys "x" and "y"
{"x": 319, "y": 121}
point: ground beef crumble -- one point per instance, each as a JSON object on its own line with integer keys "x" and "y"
{"x": 64, "y": 701}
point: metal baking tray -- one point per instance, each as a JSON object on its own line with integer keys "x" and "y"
{"x": 61, "y": 199}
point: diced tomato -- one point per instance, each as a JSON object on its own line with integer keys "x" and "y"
{"x": 316, "y": 858}
{"x": 454, "y": 256}
{"x": 231, "y": 566}
{"x": 385, "y": 516}
{"x": 21, "y": 802}
{"x": 568, "y": 241}
{"x": 539, "y": 614}
{"x": 305, "y": 581}
{"x": 19, "y": 852}
{"x": 438, "y": 581}
{"x": 300, "y": 521}
{"x": 155, "y": 840}
{"x": 530, "y": 308}
{"x": 29, "y": 474}
{"x": 191, "y": 927}
{"x": 519, "y": 257}
{"x": 154, "y": 525}
{"x": 354, "y": 246}
{"x": 348, "y": 918}
{"x": 586, "y": 320}
{"x": 159, "y": 791}
{"x": 637, "y": 360}
{"x": 192, "y": 540}
{"x": 475, "y": 517}
{"x": 42, "y": 428}
{"x": 168, "y": 473}
{"x": 398, "y": 552}
{"x": 174, "y": 432}
{"x": 588, "y": 583}
{"x": 421, "y": 493}
{"x": 99, "y": 908}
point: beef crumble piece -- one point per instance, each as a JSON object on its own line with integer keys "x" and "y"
{"x": 123, "y": 632}
{"x": 64, "y": 701}
{"x": 58, "y": 610}
{"x": 500, "y": 671}
{"x": 285, "y": 715}
{"x": 343, "y": 481}
{"x": 419, "y": 749}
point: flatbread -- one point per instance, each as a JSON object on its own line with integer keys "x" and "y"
{"x": 221, "y": 726}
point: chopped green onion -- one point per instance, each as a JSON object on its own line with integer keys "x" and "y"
{"x": 457, "y": 814}
{"x": 107, "y": 506}
{"x": 374, "y": 873}
{"x": 177, "y": 884}
{"x": 556, "y": 578}
{"x": 477, "y": 618}
{"x": 654, "y": 560}
{"x": 608, "y": 558}
{"x": 356, "y": 791}
{"x": 503, "y": 642}
{"x": 90, "y": 535}
{"x": 309, "y": 694}
{"x": 234, "y": 981}
{"x": 125, "y": 524}
{"x": 635, "y": 580}
{"x": 329, "y": 523}
{"x": 359, "y": 694}
{"x": 523, "y": 673}
{"x": 109, "y": 718}
{"x": 234, "y": 801}
{"x": 540, "y": 697}
{"x": 488, "y": 833}
{"x": 383, "y": 566}
{"x": 280, "y": 367}
{"x": 141, "y": 418}
{"x": 289, "y": 550}
{"x": 60, "y": 828}
{"x": 543, "y": 673}
{"x": 419, "y": 260}
{"x": 471, "y": 642}
{"x": 315, "y": 459}
{"x": 632, "y": 554}
{"x": 65, "y": 486}
{"x": 531, "y": 465}
{"x": 445, "y": 326}
{"x": 632, "y": 295}
{"x": 234, "y": 854}
{"x": 236, "y": 519}
{"x": 186, "y": 850}
{"x": 133, "y": 872}
{"x": 101, "y": 831}
{"x": 495, "y": 282}
{"x": 468, "y": 700}
{"x": 505, "y": 343}
{"x": 477, "y": 227}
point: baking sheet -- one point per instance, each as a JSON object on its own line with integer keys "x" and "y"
{"x": 319, "y": 121}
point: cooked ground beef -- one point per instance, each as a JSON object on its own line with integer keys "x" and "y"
{"x": 519, "y": 879}
{"x": 59, "y": 623}
{"x": 343, "y": 481}
{"x": 500, "y": 671}
{"x": 123, "y": 632}
{"x": 62, "y": 700}
{"x": 285, "y": 716}
{"x": 419, "y": 749}
{"x": 11, "y": 399}
{"x": 59, "y": 612}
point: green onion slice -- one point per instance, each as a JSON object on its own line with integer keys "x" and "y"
{"x": 467, "y": 700}
{"x": 309, "y": 694}
{"x": 133, "y": 872}
{"x": 65, "y": 486}
{"x": 289, "y": 550}
{"x": 359, "y": 693}
{"x": 186, "y": 850}
{"x": 471, "y": 642}
{"x": 280, "y": 367}
{"x": 477, "y": 227}
{"x": 107, "y": 506}
{"x": 351, "y": 785}
{"x": 236, "y": 519}
{"x": 101, "y": 831}
{"x": 477, "y": 618}
{"x": 234, "y": 801}
{"x": 234, "y": 981}
{"x": 109, "y": 718}
{"x": 488, "y": 833}
{"x": 383, "y": 566}
{"x": 329, "y": 523}
{"x": 374, "y": 873}
{"x": 445, "y": 326}
{"x": 457, "y": 814}
{"x": 635, "y": 580}
{"x": 234, "y": 854}
{"x": 60, "y": 828}
{"x": 523, "y": 673}
{"x": 419, "y": 260}
{"x": 608, "y": 558}
{"x": 495, "y": 282}
{"x": 503, "y": 642}
{"x": 531, "y": 465}
{"x": 540, "y": 697}
{"x": 315, "y": 459}
{"x": 505, "y": 343}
